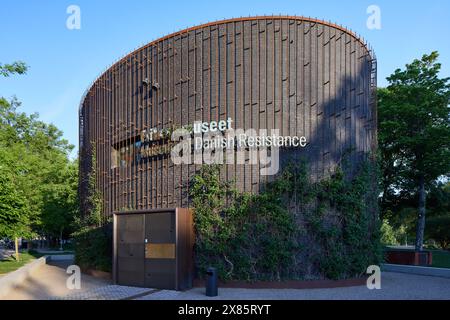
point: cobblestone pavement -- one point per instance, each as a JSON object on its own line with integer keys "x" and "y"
{"x": 394, "y": 286}
{"x": 111, "y": 292}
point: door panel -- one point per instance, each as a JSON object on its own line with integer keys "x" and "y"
{"x": 133, "y": 250}
{"x": 160, "y": 273}
{"x": 160, "y": 227}
{"x": 160, "y": 262}
{"x": 130, "y": 250}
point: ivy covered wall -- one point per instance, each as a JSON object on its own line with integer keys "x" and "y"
{"x": 293, "y": 229}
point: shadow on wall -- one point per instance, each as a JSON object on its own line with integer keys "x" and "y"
{"x": 345, "y": 130}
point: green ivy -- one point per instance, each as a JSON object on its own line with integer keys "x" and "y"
{"x": 293, "y": 229}
{"x": 93, "y": 240}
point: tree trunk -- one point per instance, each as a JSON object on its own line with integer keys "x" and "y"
{"x": 61, "y": 240}
{"x": 421, "y": 218}
{"x": 16, "y": 245}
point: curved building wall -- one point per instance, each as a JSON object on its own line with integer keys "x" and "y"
{"x": 302, "y": 76}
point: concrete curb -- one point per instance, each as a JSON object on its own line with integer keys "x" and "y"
{"x": 423, "y": 271}
{"x": 15, "y": 278}
{"x": 62, "y": 257}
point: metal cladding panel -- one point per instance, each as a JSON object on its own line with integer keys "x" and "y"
{"x": 301, "y": 76}
{"x": 160, "y": 228}
{"x": 130, "y": 249}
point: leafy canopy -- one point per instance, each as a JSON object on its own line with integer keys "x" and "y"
{"x": 38, "y": 185}
{"x": 414, "y": 126}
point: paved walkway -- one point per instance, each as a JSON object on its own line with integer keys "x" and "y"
{"x": 394, "y": 286}
{"x": 49, "y": 282}
{"x": 111, "y": 292}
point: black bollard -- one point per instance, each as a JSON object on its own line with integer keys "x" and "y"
{"x": 211, "y": 282}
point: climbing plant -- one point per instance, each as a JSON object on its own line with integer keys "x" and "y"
{"x": 293, "y": 229}
{"x": 93, "y": 240}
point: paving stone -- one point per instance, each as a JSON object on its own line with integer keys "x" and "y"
{"x": 164, "y": 295}
{"x": 111, "y": 292}
{"x": 394, "y": 286}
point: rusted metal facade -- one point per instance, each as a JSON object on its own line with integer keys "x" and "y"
{"x": 300, "y": 75}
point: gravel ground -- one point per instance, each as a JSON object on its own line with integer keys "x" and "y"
{"x": 394, "y": 286}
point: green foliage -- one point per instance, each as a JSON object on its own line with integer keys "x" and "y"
{"x": 10, "y": 264}
{"x": 92, "y": 240}
{"x": 402, "y": 210}
{"x": 94, "y": 199}
{"x": 438, "y": 222}
{"x": 35, "y": 170}
{"x": 38, "y": 158}
{"x": 18, "y": 67}
{"x": 13, "y": 208}
{"x": 345, "y": 223}
{"x": 244, "y": 236}
{"x": 414, "y": 134}
{"x": 61, "y": 201}
{"x": 287, "y": 230}
{"x": 388, "y": 234}
{"x": 414, "y": 126}
{"x": 441, "y": 259}
{"x": 93, "y": 247}
{"x": 438, "y": 229}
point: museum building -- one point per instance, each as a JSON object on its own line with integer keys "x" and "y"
{"x": 304, "y": 77}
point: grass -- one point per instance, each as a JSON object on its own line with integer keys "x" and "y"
{"x": 441, "y": 259}
{"x": 11, "y": 264}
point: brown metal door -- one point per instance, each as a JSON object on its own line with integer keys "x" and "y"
{"x": 160, "y": 250}
{"x": 130, "y": 250}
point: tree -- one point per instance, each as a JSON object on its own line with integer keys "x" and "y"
{"x": 39, "y": 180}
{"x": 13, "y": 209}
{"x": 387, "y": 234}
{"x": 414, "y": 132}
{"x": 61, "y": 202}
{"x": 13, "y": 221}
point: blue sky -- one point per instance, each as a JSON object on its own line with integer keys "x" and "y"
{"x": 64, "y": 62}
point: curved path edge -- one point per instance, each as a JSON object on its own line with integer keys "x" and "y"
{"x": 418, "y": 270}
{"x": 17, "y": 277}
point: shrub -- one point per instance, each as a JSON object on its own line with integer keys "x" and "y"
{"x": 438, "y": 229}
{"x": 93, "y": 248}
